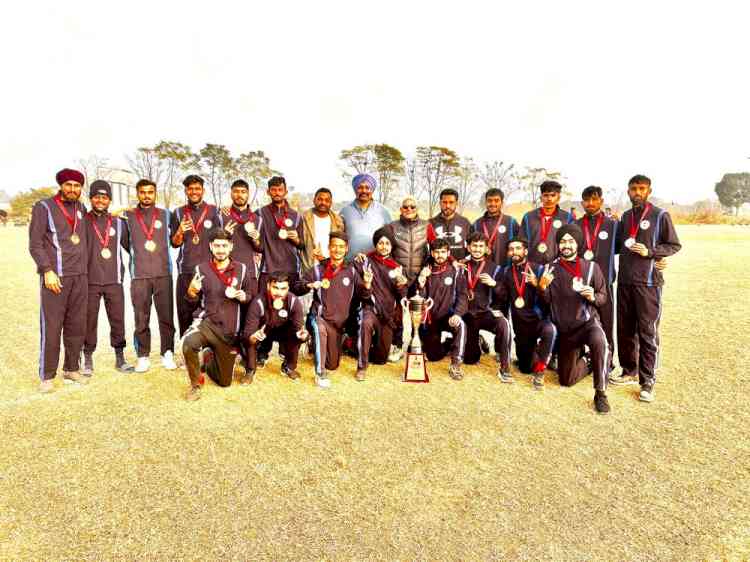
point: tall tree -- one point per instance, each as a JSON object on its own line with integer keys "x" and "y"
{"x": 174, "y": 159}
{"x": 145, "y": 164}
{"x": 533, "y": 178}
{"x": 437, "y": 164}
{"x": 465, "y": 178}
{"x": 217, "y": 167}
{"x": 359, "y": 158}
{"x": 255, "y": 166}
{"x": 734, "y": 190}
{"x": 499, "y": 175}
{"x": 389, "y": 167}
{"x": 412, "y": 185}
{"x": 21, "y": 204}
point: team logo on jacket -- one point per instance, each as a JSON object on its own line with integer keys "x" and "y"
{"x": 448, "y": 281}
{"x": 603, "y": 235}
{"x": 440, "y": 232}
{"x": 283, "y": 313}
{"x": 208, "y": 224}
{"x": 112, "y": 231}
{"x": 157, "y": 223}
{"x": 502, "y": 229}
{"x": 557, "y": 223}
{"x": 645, "y": 225}
{"x": 346, "y": 281}
{"x": 80, "y": 216}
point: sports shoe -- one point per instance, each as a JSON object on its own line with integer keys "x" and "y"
{"x": 322, "y": 380}
{"x": 601, "y": 405}
{"x": 647, "y": 393}
{"x": 454, "y": 370}
{"x": 261, "y": 361}
{"x": 87, "y": 369}
{"x": 46, "y": 386}
{"x": 167, "y": 361}
{"x": 120, "y": 363}
{"x": 504, "y": 375}
{"x": 193, "y": 394}
{"x": 360, "y": 376}
{"x": 552, "y": 365}
{"x": 291, "y": 373}
{"x": 73, "y": 377}
{"x": 247, "y": 378}
{"x": 623, "y": 379}
{"x": 483, "y": 345}
{"x": 538, "y": 381}
{"x": 395, "y": 355}
{"x": 142, "y": 365}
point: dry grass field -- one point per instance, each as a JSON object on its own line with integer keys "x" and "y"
{"x": 124, "y": 468}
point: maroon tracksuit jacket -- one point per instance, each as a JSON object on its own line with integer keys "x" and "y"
{"x": 281, "y": 326}
{"x": 455, "y": 230}
{"x": 498, "y": 231}
{"x": 532, "y": 226}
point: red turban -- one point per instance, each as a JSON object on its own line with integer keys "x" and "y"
{"x": 66, "y": 174}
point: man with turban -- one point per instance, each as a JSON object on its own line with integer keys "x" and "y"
{"x": 363, "y": 216}
{"x": 58, "y": 244}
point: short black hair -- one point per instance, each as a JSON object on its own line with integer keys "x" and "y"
{"x": 550, "y": 185}
{"x": 142, "y": 183}
{"x": 639, "y": 178}
{"x": 323, "y": 190}
{"x": 449, "y": 191}
{"x": 338, "y": 234}
{"x": 240, "y": 183}
{"x": 520, "y": 240}
{"x": 494, "y": 192}
{"x": 476, "y": 237}
{"x": 276, "y": 180}
{"x": 439, "y": 243}
{"x": 592, "y": 190}
{"x": 218, "y": 233}
{"x": 193, "y": 178}
{"x": 278, "y": 277}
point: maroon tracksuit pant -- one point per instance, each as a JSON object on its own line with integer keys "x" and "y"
{"x": 371, "y": 327}
{"x": 498, "y": 326}
{"x": 572, "y": 366}
{"x": 63, "y": 314}
{"x": 159, "y": 291}
{"x": 114, "y": 304}
{"x": 221, "y": 367}
{"x": 289, "y": 345}
{"x": 638, "y": 315}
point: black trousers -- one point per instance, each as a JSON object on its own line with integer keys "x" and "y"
{"x": 534, "y": 342}
{"x": 638, "y": 316}
{"x": 571, "y": 366}
{"x": 185, "y": 308}
{"x": 288, "y": 341}
{"x": 114, "y": 305}
{"x": 487, "y": 321}
{"x": 63, "y": 317}
{"x": 326, "y": 343}
{"x": 221, "y": 366}
{"x": 143, "y": 292}
{"x": 431, "y": 336}
{"x": 607, "y": 317}
{"x": 375, "y": 337}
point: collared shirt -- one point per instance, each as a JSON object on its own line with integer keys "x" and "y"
{"x": 361, "y": 224}
{"x": 49, "y": 238}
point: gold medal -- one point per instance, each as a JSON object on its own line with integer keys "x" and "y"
{"x": 278, "y": 304}
{"x": 150, "y": 245}
{"x": 196, "y": 239}
{"x": 519, "y": 302}
{"x": 325, "y": 283}
{"x": 588, "y": 254}
{"x": 542, "y": 247}
{"x": 283, "y": 234}
{"x": 106, "y": 253}
{"x": 74, "y": 238}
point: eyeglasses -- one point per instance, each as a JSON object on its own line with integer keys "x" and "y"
{"x": 408, "y": 206}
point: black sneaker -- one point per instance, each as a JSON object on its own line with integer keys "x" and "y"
{"x": 87, "y": 369}
{"x": 647, "y": 393}
{"x": 552, "y": 365}
{"x": 601, "y": 405}
{"x": 261, "y": 361}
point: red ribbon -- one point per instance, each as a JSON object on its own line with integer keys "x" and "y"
{"x": 104, "y": 240}
{"x": 223, "y": 277}
{"x": 388, "y": 262}
{"x": 520, "y": 284}
{"x": 491, "y": 239}
{"x": 473, "y": 280}
{"x": 546, "y": 225}
{"x": 72, "y": 221}
{"x": 575, "y": 272}
{"x": 635, "y": 226}
{"x": 330, "y": 272}
{"x": 197, "y": 225}
{"x": 149, "y": 232}
{"x": 279, "y": 221}
{"x": 591, "y": 240}
{"x": 238, "y": 217}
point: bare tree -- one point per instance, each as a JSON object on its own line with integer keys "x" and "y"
{"x": 217, "y": 166}
{"x": 533, "y": 178}
{"x": 145, "y": 164}
{"x": 499, "y": 175}
{"x": 175, "y": 159}
{"x": 94, "y": 168}
{"x": 464, "y": 180}
{"x": 255, "y": 166}
{"x": 437, "y": 164}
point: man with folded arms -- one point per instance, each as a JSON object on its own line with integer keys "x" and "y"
{"x": 574, "y": 288}
{"x": 218, "y": 288}
{"x": 106, "y": 236}
{"x": 58, "y": 244}
{"x": 275, "y": 315}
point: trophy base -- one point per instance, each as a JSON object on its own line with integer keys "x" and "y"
{"x": 416, "y": 368}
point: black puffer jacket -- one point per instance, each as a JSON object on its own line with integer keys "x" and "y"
{"x": 411, "y": 248}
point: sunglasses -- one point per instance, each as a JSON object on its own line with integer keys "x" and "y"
{"x": 408, "y": 206}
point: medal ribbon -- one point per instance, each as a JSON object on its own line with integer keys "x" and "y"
{"x": 474, "y": 279}
{"x": 197, "y": 225}
{"x": 223, "y": 277}
{"x": 634, "y": 226}
{"x": 546, "y": 224}
{"x": 238, "y": 217}
{"x": 575, "y": 272}
{"x": 491, "y": 239}
{"x": 279, "y": 221}
{"x": 104, "y": 240}
{"x": 149, "y": 232}
{"x": 388, "y": 262}
{"x": 520, "y": 284}
{"x": 330, "y": 273}
{"x": 72, "y": 221}
{"x": 591, "y": 240}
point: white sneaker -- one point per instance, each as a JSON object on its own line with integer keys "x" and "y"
{"x": 395, "y": 355}
{"x": 142, "y": 365}
{"x": 323, "y": 381}
{"x": 167, "y": 361}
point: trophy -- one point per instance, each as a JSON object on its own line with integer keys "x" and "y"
{"x": 416, "y": 369}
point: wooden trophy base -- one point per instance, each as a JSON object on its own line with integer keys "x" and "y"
{"x": 416, "y": 368}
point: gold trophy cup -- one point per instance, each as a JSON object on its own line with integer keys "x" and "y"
{"x": 416, "y": 367}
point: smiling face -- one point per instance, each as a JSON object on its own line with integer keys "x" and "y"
{"x": 100, "y": 202}
{"x": 322, "y": 203}
{"x": 517, "y": 252}
{"x": 71, "y": 190}
{"x": 364, "y": 193}
{"x": 478, "y": 249}
{"x": 383, "y": 247}
{"x": 194, "y": 193}
{"x": 220, "y": 249}
{"x": 337, "y": 249}
{"x": 494, "y": 204}
{"x": 409, "y": 208}
{"x": 568, "y": 247}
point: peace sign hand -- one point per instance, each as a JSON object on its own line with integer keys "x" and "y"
{"x": 196, "y": 284}
{"x": 547, "y": 277}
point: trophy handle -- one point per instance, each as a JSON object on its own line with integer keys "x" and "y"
{"x": 405, "y": 303}
{"x": 428, "y": 304}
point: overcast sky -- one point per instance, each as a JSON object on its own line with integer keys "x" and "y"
{"x": 597, "y": 90}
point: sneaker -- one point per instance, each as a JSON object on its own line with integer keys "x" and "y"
{"x": 247, "y": 378}
{"x": 538, "y": 381}
{"x": 167, "y": 361}
{"x": 142, "y": 365}
{"x": 45, "y": 387}
{"x": 261, "y": 361}
{"x": 120, "y": 363}
{"x": 292, "y": 374}
{"x": 504, "y": 375}
{"x": 322, "y": 380}
{"x": 483, "y": 345}
{"x": 360, "y": 376}
{"x": 454, "y": 370}
{"x": 647, "y": 393}
{"x": 193, "y": 394}
{"x": 552, "y": 365}
{"x": 73, "y": 377}
{"x": 601, "y": 405}
{"x": 87, "y": 369}
{"x": 623, "y": 379}
{"x": 395, "y": 355}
